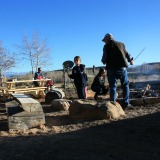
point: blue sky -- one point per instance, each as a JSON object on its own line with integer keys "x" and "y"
{"x": 76, "y": 27}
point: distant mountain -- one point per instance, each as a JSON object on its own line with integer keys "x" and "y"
{"x": 153, "y": 63}
{"x": 13, "y": 74}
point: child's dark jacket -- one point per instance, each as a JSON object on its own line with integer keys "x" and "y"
{"x": 79, "y": 75}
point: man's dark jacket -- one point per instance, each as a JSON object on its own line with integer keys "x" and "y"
{"x": 115, "y": 55}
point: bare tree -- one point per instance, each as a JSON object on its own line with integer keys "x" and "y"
{"x": 41, "y": 50}
{"x": 36, "y": 51}
{"x": 7, "y": 60}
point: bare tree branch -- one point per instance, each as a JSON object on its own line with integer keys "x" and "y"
{"x": 35, "y": 50}
{"x": 7, "y": 59}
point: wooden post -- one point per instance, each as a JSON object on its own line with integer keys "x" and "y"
{"x": 64, "y": 78}
{"x": 93, "y": 69}
{"x": 1, "y": 77}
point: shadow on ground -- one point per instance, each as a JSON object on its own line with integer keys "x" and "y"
{"x": 128, "y": 139}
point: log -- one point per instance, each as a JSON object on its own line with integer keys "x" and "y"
{"x": 18, "y": 119}
{"x": 142, "y": 101}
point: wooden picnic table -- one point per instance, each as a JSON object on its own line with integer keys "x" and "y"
{"x": 41, "y": 82}
{"x": 11, "y": 87}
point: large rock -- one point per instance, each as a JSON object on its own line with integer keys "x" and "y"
{"x": 91, "y": 109}
{"x": 61, "y": 104}
{"x": 20, "y": 119}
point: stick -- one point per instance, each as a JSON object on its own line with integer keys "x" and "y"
{"x": 138, "y": 55}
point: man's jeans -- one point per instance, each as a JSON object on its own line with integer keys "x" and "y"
{"x": 113, "y": 76}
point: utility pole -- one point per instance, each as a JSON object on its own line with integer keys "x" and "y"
{"x": 1, "y": 77}
{"x": 93, "y": 69}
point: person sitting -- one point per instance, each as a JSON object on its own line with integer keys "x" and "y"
{"x": 49, "y": 85}
{"x": 98, "y": 84}
{"x": 38, "y": 75}
{"x": 147, "y": 91}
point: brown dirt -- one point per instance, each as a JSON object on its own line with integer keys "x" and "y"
{"x": 135, "y": 137}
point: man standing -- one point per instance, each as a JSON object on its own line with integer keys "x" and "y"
{"x": 115, "y": 56}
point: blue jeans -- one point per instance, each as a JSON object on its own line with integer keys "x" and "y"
{"x": 113, "y": 76}
{"x": 81, "y": 92}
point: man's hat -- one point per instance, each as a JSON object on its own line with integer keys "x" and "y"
{"x": 107, "y": 35}
{"x": 39, "y": 68}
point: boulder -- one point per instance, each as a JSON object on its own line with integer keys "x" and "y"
{"x": 20, "y": 119}
{"x": 61, "y": 104}
{"x": 91, "y": 109}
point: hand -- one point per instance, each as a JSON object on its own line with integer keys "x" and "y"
{"x": 131, "y": 63}
{"x": 103, "y": 62}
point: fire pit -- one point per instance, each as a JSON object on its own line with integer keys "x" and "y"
{"x": 143, "y": 92}
{"x": 141, "y": 95}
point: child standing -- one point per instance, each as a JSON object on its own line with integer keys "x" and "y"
{"x": 98, "y": 84}
{"x": 80, "y": 77}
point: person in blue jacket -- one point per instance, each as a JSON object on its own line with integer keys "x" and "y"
{"x": 80, "y": 77}
{"x": 38, "y": 75}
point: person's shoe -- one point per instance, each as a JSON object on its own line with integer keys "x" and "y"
{"x": 113, "y": 102}
{"x": 95, "y": 97}
{"x": 128, "y": 107}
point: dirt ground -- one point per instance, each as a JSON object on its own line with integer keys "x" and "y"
{"x": 134, "y": 137}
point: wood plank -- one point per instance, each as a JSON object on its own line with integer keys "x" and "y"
{"x": 20, "y": 95}
{"x": 29, "y": 80}
{"x": 19, "y": 91}
{"x": 27, "y": 89}
{"x": 27, "y": 103}
{"x": 2, "y": 88}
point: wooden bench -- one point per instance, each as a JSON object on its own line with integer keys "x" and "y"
{"x": 38, "y": 91}
{"x": 31, "y": 89}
